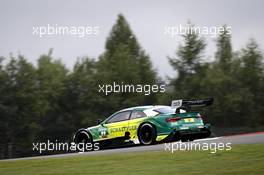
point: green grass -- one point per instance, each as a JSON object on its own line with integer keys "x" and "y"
{"x": 242, "y": 159}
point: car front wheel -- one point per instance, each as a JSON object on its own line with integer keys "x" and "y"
{"x": 84, "y": 141}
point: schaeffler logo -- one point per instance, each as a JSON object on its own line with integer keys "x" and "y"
{"x": 42, "y": 147}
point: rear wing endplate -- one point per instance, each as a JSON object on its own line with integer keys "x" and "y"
{"x": 189, "y": 103}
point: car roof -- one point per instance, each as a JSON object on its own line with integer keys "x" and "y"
{"x": 143, "y": 108}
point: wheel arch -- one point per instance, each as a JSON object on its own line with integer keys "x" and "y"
{"x": 82, "y": 130}
{"x": 147, "y": 122}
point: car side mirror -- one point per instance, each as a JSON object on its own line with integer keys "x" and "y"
{"x": 99, "y": 121}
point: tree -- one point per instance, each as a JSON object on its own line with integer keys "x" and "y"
{"x": 52, "y": 76}
{"x": 124, "y": 62}
{"x": 251, "y": 76}
{"x": 4, "y": 108}
{"x": 224, "y": 51}
{"x": 82, "y": 94}
{"x": 188, "y": 64}
{"x": 222, "y": 83}
{"x": 19, "y": 106}
{"x": 252, "y": 65}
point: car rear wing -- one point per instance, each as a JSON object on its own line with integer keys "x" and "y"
{"x": 189, "y": 103}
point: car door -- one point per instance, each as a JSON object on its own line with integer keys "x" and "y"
{"x": 136, "y": 118}
{"x": 117, "y": 125}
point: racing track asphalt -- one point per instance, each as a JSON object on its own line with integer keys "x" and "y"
{"x": 250, "y": 138}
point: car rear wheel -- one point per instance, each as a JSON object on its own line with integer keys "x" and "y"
{"x": 147, "y": 134}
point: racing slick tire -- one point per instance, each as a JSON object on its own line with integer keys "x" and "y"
{"x": 82, "y": 139}
{"x": 147, "y": 134}
{"x": 184, "y": 139}
{"x": 187, "y": 140}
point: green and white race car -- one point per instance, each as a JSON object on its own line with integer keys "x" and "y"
{"x": 148, "y": 125}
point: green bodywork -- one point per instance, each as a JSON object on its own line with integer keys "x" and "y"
{"x": 189, "y": 122}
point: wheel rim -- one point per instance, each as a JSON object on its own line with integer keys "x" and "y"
{"x": 82, "y": 139}
{"x": 146, "y": 135}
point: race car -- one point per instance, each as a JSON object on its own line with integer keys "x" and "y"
{"x": 148, "y": 125}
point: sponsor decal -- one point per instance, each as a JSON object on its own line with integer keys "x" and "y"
{"x": 122, "y": 129}
{"x": 103, "y": 132}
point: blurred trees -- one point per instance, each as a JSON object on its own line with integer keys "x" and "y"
{"x": 252, "y": 77}
{"x": 124, "y": 62}
{"x": 52, "y": 87}
{"x": 19, "y": 106}
{"x": 48, "y": 101}
{"x": 188, "y": 65}
{"x": 234, "y": 79}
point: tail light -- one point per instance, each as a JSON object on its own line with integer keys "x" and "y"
{"x": 199, "y": 116}
{"x": 174, "y": 119}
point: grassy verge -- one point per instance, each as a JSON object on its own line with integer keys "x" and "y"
{"x": 242, "y": 159}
